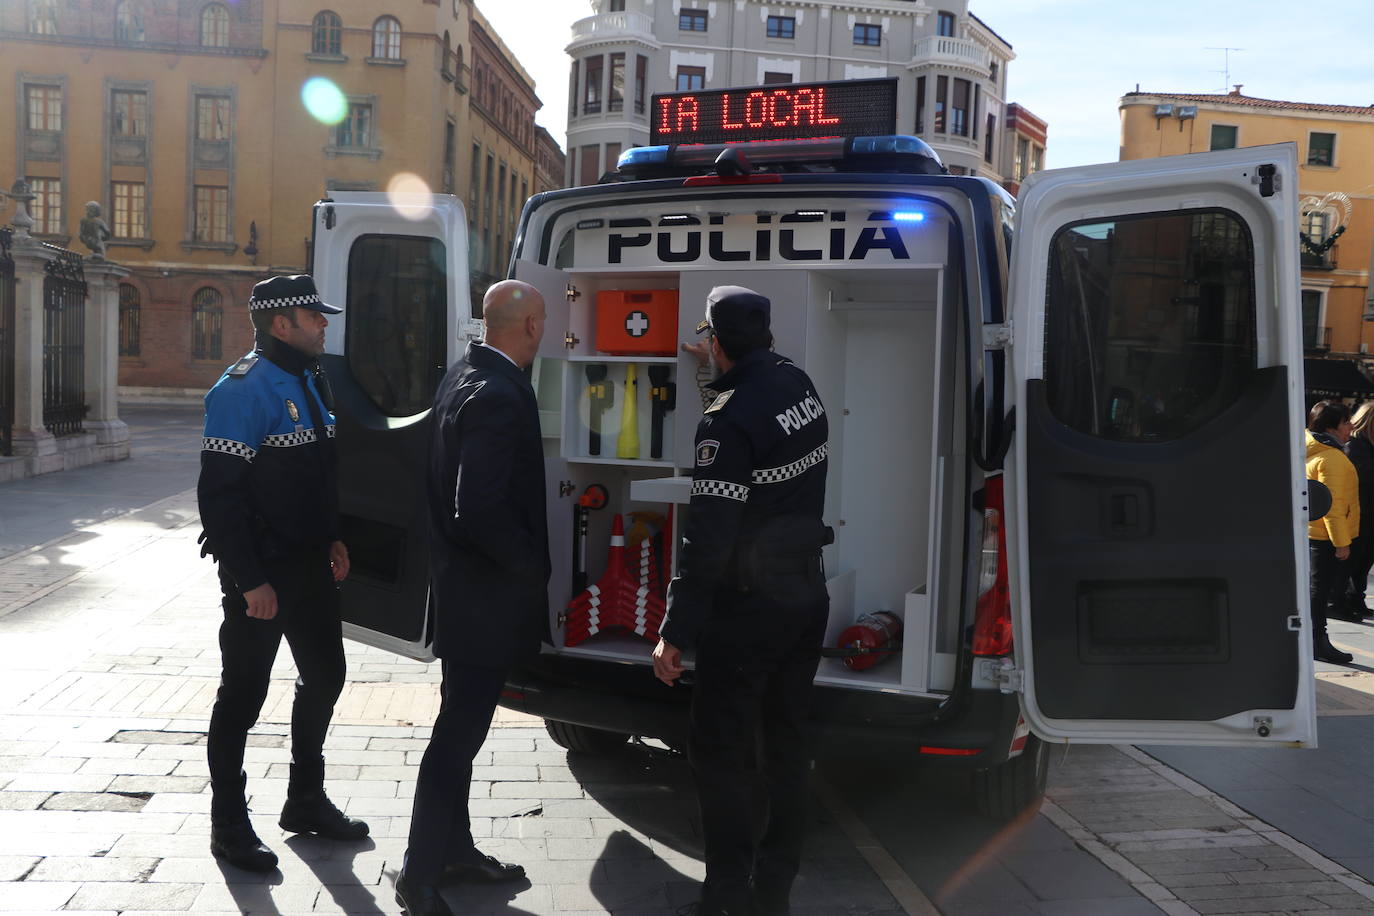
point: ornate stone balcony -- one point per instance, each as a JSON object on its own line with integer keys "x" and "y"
{"x": 627, "y": 24}
{"x": 942, "y": 50}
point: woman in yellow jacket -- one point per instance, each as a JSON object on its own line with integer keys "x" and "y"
{"x": 1328, "y": 429}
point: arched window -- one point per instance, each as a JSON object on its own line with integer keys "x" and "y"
{"x": 448, "y": 55}
{"x": 386, "y": 38}
{"x": 214, "y": 26}
{"x": 458, "y": 62}
{"x": 129, "y": 21}
{"x": 129, "y": 304}
{"x": 207, "y": 324}
{"x": 327, "y": 33}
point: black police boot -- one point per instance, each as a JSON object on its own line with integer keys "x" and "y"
{"x": 420, "y": 899}
{"x": 309, "y": 810}
{"x": 1323, "y": 651}
{"x": 232, "y": 837}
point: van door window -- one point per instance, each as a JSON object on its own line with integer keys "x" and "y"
{"x": 1150, "y": 323}
{"x": 396, "y": 317}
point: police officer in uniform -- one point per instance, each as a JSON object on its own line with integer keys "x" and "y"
{"x": 750, "y": 598}
{"x": 268, "y": 495}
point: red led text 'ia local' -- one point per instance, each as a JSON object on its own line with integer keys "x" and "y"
{"x": 780, "y": 109}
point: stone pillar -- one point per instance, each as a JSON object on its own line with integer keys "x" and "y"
{"x": 31, "y": 440}
{"x": 102, "y": 359}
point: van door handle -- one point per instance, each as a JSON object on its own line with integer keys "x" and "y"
{"x": 1125, "y": 512}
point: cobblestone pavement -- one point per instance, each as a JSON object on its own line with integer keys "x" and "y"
{"x": 108, "y": 665}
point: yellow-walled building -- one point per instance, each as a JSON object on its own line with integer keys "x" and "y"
{"x": 1336, "y": 184}
{"x": 206, "y": 129}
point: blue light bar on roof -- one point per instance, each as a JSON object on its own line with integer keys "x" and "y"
{"x": 643, "y": 155}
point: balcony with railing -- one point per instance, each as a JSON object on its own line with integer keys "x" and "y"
{"x": 613, "y": 27}
{"x": 951, "y": 52}
{"x": 1316, "y": 339}
{"x": 1327, "y": 260}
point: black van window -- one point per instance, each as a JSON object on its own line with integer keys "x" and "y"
{"x": 397, "y": 309}
{"x": 1150, "y": 323}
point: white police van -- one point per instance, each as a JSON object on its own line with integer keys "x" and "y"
{"x": 1066, "y": 447}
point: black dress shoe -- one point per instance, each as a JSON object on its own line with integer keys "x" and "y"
{"x": 235, "y": 842}
{"x": 420, "y": 899}
{"x": 315, "y": 813}
{"x": 1330, "y": 653}
{"x": 482, "y": 868}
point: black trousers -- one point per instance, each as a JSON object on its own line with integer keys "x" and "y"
{"x": 1360, "y": 562}
{"x": 1329, "y": 578}
{"x": 440, "y": 831}
{"x": 308, "y": 616}
{"x": 755, "y": 663}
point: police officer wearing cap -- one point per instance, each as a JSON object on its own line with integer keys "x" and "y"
{"x": 268, "y": 496}
{"x": 750, "y": 598}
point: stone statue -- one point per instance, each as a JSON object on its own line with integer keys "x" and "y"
{"x": 94, "y": 231}
{"x": 22, "y": 220}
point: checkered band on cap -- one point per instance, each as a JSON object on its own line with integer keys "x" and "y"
{"x": 282, "y": 303}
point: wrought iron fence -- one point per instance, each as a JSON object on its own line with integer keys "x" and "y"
{"x": 6, "y": 344}
{"x": 64, "y": 343}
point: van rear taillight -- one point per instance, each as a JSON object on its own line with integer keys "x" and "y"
{"x": 992, "y": 620}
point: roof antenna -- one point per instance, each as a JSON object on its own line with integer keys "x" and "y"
{"x": 1225, "y": 73}
{"x": 732, "y": 163}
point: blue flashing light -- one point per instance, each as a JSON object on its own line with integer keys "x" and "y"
{"x": 643, "y": 155}
{"x": 911, "y": 216}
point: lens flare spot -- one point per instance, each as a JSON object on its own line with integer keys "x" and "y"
{"x": 409, "y": 196}
{"x": 324, "y": 100}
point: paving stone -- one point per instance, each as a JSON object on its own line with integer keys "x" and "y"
{"x": 101, "y": 868}
{"x": 13, "y": 868}
{"x": 36, "y": 896}
{"x": 138, "y": 765}
{"x": 94, "y": 801}
{"x": 22, "y": 801}
{"x": 29, "y": 842}
{"x": 156, "y": 784}
{"x": 48, "y": 783}
{"x": 121, "y": 896}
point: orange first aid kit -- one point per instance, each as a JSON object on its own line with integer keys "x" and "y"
{"x": 636, "y": 322}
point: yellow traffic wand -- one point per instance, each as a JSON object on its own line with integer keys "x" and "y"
{"x": 627, "y": 446}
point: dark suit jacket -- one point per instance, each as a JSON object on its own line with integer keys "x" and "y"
{"x": 489, "y": 541}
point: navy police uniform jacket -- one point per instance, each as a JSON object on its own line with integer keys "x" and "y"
{"x": 489, "y": 540}
{"x": 758, "y": 491}
{"x": 268, "y": 476}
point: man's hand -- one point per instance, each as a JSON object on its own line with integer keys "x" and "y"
{"x": 1343, "y": 553}
{"x": 338, "y": 558}
{"x": 701, "y": 350}
{"x": 262, "y": 602}
{"x": 667, "y": 662}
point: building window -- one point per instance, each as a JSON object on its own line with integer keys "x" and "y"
{"x": 1321, "y": 149}
{"x": 1037, "y": 159}
{"x": 207, "y": 324}
{"x": 43, "y": 17}
{"x": 782, "y": 27}
{"x": 501, "y": 195}
{"x": 128, "y": 114}
{"x": 129, "y": 313}
{"x": 987, "y": 137}
{"x": 445, "y": 65}
{"x": 616, "y": 97}
{"x": 689, "y": 78}
{"x": 612, "y": 156}
{"x": 450, "y": 155}
{"x": 128, "y": 22}
{"x": 355, "y": 130}
{"x": 130, "y": 198}
{"x": 775, "y": 77}
{"x": 214, "y": 26}
{"x": 386, "y": 38}
{"x": 920, "y": 104}
{"x": 572, "y": 90}
{"x": 326, "y": 33}
{"x": 1314, "y": 225}
{"x": 992, "y": 73}
{"x": 617, "y": 6}
{"x": 958, "y": 109}
{"x": 871, "y": 35}
{"x": 591, "y": 96}
{"x": 212, "y": 117}
{"x": 211, "y": 214}
{"x": 1311, "y": 319}
{"x": 941, "y": 91}
{"x": 46, "y": 208}
{"x": 944, "y": 24}
{"x": 691, "y": 21}
{"x": 1018, "y": 166}
{"x": 1223, "y": 136}
{"x": 641, "y": 80}
{"x": 45, "y": 107}
{"x": 591, "y": 158}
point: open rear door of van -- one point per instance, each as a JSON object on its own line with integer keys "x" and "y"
{"x": 399, "y": 269}
{"x": 1157, "y": 529}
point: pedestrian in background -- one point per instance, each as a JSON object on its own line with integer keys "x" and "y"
{"x": 489, "y": 575}
{"x": 750, "y": 597}
{"x": 269, "y": 503}
{"x": 1328, "y": 429}
{"x": 1360, "y": 450}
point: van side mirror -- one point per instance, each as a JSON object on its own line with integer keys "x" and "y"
{"x": 1318, "y": 500}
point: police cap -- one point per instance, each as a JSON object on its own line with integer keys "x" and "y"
{"x": 289, "y": 292}
{"x": 735, "y": 309}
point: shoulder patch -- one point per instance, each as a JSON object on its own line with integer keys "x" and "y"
{"x": 719, "y": 402}
{"x": 242, "y": 367}
{"x": 706, "y": 452}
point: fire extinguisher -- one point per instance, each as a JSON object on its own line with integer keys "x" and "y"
{"x": 873, "y": 638}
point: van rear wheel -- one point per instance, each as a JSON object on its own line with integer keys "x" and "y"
{"x": 584, "y": 739}
{"x": 1010, "y": 788}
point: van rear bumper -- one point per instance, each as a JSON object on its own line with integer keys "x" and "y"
{"x": 626, "y": 698}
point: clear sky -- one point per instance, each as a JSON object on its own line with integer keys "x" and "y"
{"x": 1076, "y": 58}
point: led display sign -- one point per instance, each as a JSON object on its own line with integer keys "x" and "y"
{"x": 845, "y": 108}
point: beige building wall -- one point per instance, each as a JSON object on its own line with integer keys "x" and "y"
{"x": 1335, "y": 285}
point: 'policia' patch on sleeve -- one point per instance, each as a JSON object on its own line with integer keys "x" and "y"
{"x": 706, "y": 452}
